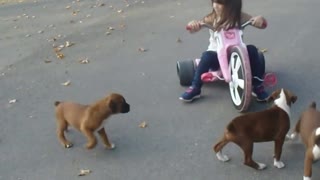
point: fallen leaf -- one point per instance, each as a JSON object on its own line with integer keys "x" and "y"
{"x": 67, "y": 83}
{"x": 143, "y": 124}
{"x": 58, "y": 49}
{"x": 84, "y": 61}
{"x": 47, "y": 61}
{"x": 12, "y": 101}
{"x": 84, "y": 172}
{"x": 68, "y": 44}
{"x": 101, "y": 4}
{"x": 142, "y": 49}
{"x": 264, "y": 50}
{"x": 60, "y": 55}
{"x": 122, "y": 26}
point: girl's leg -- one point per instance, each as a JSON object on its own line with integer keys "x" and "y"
{"x": 257, "y": 70}
{"x": 209, "y": 60}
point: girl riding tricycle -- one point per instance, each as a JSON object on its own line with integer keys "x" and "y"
{"x": 227, "y": 57}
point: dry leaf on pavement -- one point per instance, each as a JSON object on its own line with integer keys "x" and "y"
{"x": 84, "y": 61}
{"x": 12, "y": 101}
{"x": 264, "y": 50}
{"x": 84, "y": 172}
{"x": 47, "y": 61}
{"x": 143, "y": 124}
{"x": 60, "y": 55}
{"x": 67, "y": 83}
{"x": 142, "y": 49}
{"x": 68, "y": 44}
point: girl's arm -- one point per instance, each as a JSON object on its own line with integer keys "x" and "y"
{"x": 208, "y": 19}
{"x": 257, "y": 21}
{"x": 195, "y": 25}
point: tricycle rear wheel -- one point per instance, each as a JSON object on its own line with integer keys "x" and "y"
{"x": 185, "y": 71}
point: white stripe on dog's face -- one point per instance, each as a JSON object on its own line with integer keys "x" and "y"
{"x": 281, "y": 102}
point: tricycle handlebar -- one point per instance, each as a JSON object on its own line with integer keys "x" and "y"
{"x": 212, "y": 28}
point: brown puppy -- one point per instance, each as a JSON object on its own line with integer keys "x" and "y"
{"x": 269, "y": 125}
{"x": 89, "y": 118}
{"x": 308, "y": 126}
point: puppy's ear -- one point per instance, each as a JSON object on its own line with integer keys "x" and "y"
{"x": 113, "y": 106}
{"x": 274, "y": 95}
{"x": 294, "y": 99}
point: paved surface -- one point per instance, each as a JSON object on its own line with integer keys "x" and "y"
{"x": 177, "y": 142}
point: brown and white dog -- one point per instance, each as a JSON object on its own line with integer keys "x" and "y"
{"x": 89, "y": 118}
{"x": 268, "y": 125}
{"x": 308, "y": 126}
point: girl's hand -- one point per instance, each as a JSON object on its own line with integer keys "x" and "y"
{"x": 194, "y": 26}
{"x": 259, "y": 22}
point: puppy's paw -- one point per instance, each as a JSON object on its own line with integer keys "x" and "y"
{"x": 112, "y": 146}
{"x": 291, "y": 137}
{"x": 261, "y": 166}
{"x": 90, "y": 146}
{"x": 68, "y": 145}
{"x": 278, "y": 164}
{"x": 306, "y": 178}
{"x": 222, "y": 157}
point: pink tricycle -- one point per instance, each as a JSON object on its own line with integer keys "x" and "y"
{"x": 234, "y": 67}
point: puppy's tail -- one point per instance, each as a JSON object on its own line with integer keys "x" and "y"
{"x": 313, "y": 105}
{"x": 57, "y": 103}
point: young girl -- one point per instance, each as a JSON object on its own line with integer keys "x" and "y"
{"x": 226, "y": 14}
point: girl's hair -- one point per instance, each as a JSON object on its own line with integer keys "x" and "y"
{"x": 231, "y": 14}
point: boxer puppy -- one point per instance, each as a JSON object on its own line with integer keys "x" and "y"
{"x": 308, "y": 126}
{"x": 268, "y": 125}
{"x": 89, "y": 119}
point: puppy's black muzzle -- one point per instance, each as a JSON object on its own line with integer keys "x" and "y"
{"x": 125, "y": 108}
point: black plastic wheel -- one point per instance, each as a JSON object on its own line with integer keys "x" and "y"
{"x": 185, "y": 71}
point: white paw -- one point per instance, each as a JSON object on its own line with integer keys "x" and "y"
{"x": 68, "y": 145}
{"x": 221, "y": 157}
{"x": 292, "y": 136}
{"x": 306, "y": 178}
{"x": 113, "y": 146}
{"x": 278, "y": 164}
{"x": 261, "y": 166}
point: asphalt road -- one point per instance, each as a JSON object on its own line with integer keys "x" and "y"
{"x": 177, "y": 142}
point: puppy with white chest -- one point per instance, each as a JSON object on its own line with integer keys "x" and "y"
{"x": 308, "y": 126}
{"x": 89, "y": 119}
{"x": 268, "y": 125}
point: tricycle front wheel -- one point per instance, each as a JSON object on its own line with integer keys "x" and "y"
{"x": 240, "y": 85}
